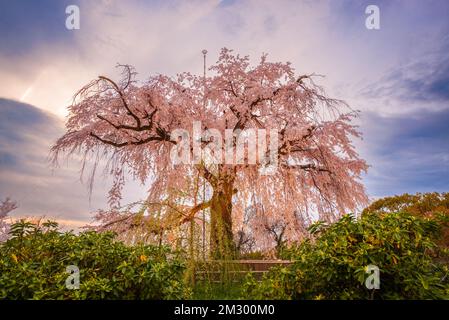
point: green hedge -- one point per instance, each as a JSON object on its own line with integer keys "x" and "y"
{"x": 332, "y": 265}
{"x": 33, "y": 266}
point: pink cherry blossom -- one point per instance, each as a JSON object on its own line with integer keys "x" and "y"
{"x": 128, "y": 125}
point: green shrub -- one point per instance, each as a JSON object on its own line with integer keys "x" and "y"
{"x": 33, "y": 266}
{"x": 333, "y": 264}
{"x": 432, "y": 204}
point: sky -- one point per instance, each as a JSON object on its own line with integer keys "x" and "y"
{"x": 397, "y": 76}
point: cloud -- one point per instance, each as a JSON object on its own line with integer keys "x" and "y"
{"x": 425, "y": 80}
{"x": 167, "y": 37}
{"x": 397, "y": 76}
{"x": 407, "y": 153}
{"x": 325, "y": 37}
{"x": 26, "y": 134}
{"x": 26, "y": 24}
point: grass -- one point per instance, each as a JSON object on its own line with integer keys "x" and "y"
{"x": 218, "y": 281}
{"x": 205, "y": 290}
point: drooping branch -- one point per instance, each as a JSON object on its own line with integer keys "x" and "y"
{"x": 289, "y": 146}
{"x": 123, "y": 126}
{"x": 122, "y": 97}
{"x": 128, "y": 143}
{"x": 212, "y": 179}
{"x": 318, "y": 166}
{"x": 122, "y": 219}
{"x": 307, "y": 167}
{"x": 191, "y": 214}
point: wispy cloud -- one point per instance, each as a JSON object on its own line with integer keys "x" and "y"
{"x": 26, "y": 134}
{"x": 397, "y": 76}
{"x": 407, "y": 153}
{"x": 424, "y": 80}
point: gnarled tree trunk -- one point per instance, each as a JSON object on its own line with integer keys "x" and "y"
{"x": 221, "y": 237}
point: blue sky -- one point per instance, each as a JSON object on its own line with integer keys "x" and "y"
{"x": 397, "y": 76}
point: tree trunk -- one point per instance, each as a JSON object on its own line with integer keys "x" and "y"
{"x": 221, "y": 237}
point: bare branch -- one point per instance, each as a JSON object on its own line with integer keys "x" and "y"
{"x": 194, "y": 210}
{"x": 123, "y": 144}
{"x": 122, "y": 97}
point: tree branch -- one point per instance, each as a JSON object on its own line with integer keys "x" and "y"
{"x": 308, "y": 167}
{"x": 123, "y": 126}
{"x": 194, "y": 210}
{"x": 122, "y": 97}
{"x": 123, "y": 144}
{"x": 283, "y": 148}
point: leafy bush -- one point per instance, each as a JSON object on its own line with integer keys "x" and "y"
{"x": 333, "y": 264}
{"x": 431, "y": 204}
{"x": 420, "y": 204}
{"x": 33, "y": 266}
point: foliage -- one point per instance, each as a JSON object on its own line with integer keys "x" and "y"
{"x": 332, "y": 265}
{"x": 217, "y": 290}
{"x": 33, "y": 266}
{"x": 421, "y": 204}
